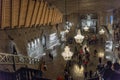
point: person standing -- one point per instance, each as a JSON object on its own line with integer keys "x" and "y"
{"x": 85, "y": 75}
{"x": 116, "y": 72}
{"x": 12, "y": 50}
{"x": 90, "y": 73}
{"x": 95, "y": 52}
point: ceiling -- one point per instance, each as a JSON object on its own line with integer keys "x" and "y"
{"x": 85, "y": 6}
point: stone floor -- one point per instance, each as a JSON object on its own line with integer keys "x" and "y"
{"x": 56, "y": 66}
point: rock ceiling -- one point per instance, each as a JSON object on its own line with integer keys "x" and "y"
{"x": 81, "y": 6}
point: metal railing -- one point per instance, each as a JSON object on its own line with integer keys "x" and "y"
{"x": 6, "y": 58}
{"x": 22, "y": 74}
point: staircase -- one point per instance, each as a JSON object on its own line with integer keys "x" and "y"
{"x": 14, "y": 62}
{"x": 21, "y": 73}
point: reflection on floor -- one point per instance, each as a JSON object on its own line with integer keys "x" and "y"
{"x": 78, "y": 70}
{"x": 57, "y": 66}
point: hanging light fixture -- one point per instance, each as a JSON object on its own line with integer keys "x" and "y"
{"x": 101, "y": 31}
{"x": 86, "y": 28}
{"x": 66, "y": 31}
{"x": 79, "y": 38}
{"x": 67, "y": 54}
{"x": 101, "y": 54}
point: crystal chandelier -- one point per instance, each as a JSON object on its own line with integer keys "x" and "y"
{"x": 79, "y": 38}
{"x": 101, "y": 31}
{"x": 66, "y": 31}
{"x": 86, "y": 28}
{"x": 67, "y": 54}
{"x": 101, "y": 54}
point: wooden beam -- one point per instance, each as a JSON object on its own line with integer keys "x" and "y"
{"x": 39, "y": 13}
{"x": 23, "y": 11}
{"x": 0, "y": 13}
{"x": 15, "y": 12}
{"x": 6, "y": 13}
{"x": 50, "y": 15}
{"x": 26, "y": 13}
{"x": 33, "y": 13}
{"x": 45, "y": 15}
{"x": 11, "y": 14}
{"x": 19, "y": 13}
{"x": 29, "y": 13}
{"x": 54, "y": 16}
{"x": 41, "y": 19}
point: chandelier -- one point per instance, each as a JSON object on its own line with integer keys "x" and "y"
{"x": 86, "y": 28}
{"x": 79, "y": 38}
{"x": 66, "y": 31}
{"x": 67, "y": 54}
{"x": 101, "y": 31}
{"x": 101, "y": 54}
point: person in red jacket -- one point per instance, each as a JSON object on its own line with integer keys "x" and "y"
{"x": 81, "y": 51}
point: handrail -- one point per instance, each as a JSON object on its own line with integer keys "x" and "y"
{"x": 94, "y": 78}
{"x": 21, "y": 74}
{"x": 6, "y": 58}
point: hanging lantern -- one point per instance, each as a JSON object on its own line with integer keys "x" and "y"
{"x": 79, "y": 38}
{"x": 101, "y": 31}
{"x": 67, "y": 54}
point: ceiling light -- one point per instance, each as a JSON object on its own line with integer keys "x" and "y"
{"x": 79, "y": 38}
{"x": 101, "y": 31}
{"x": 86, "y": 28}
{"x": 67, "y": 54}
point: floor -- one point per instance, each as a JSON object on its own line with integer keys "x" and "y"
{"x": 56, "y": 66}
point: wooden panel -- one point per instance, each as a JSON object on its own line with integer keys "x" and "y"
{"x": 6, "y": 13}
{"x": 40, "y": 12}
{"x": 43, "y": 13}
{"x": 61, "y": 18}
{"x": 57, "y": 15}
{"x": 46, "y": 16}
{"x": 54, "y": 17}
{"x": 15, "y": 12}
{"x": 0, "y": 12}
{"x": 49, "y": 12}
{"x": 50, "y": 15}
{"x": 29, "y": 13}
{"x": 35, "y": 12}
{"x": 23, "y": 11}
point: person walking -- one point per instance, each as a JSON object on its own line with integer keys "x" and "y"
{"x": 95, "y": 52}
{"x": 85, "y": 75}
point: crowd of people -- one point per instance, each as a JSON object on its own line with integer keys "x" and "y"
{"x": 105, "y": 71}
